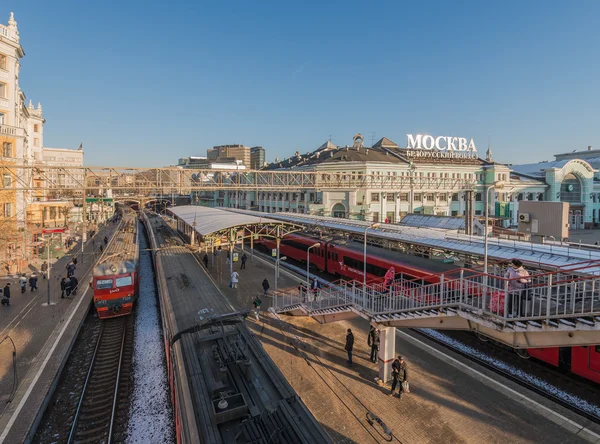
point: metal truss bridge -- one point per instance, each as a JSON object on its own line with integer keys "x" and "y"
{"x": 144, "y": 181}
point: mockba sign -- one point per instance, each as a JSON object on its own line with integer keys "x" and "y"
{"x": 440, "y": 143}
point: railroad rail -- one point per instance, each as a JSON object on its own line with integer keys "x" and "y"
{"x": 106, "y": 387}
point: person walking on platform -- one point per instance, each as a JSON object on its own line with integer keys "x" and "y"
{"x": 349, "y": 345}
{"x": 68, "y": 287}
{"x": 33, "y": 282}
{"x": 63, "y": 287}
{"x": 6, "y": 295}
{"x": 256, "y": 302}
{"x": 266, "y": 286}
{"x": 205, "y": 260}
{"x": 399, "y": 375}
{"x": 44, "y": 269}
{"x": 244, "y": 259}
{"x": 71, "y": 269}
{"x": 235, "y": 277}
{"x": 23, "y": 283}
{"x": 105, "y": 240}
{"x": 518, "y": 281}
{"x": 373, "y": 342}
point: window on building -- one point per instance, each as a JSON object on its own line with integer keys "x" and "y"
{"x": 430, "y": 197}
{"x": 417, "y": 197}
{"x": 454, "y": 213}
{"x": 374, "y": 197}
{"x": 443, "y": 197}
{"x": 404, "y": 197}
{"x": 520, "y": 196}
{"x": 36, "y": 128}
{"x": 375, "y": 216}
{"x": 478, "y": 197}
{"x": 2, "y": 118}
{"x": 477, "y": 212}
{"x": 8, "y": 209}
{"x": 3, "y": 62}
{"x": 390, "y": 196}
{"x": 6, "y": 180}
{"x": 36, "y": 141}
{"x": 455, "y": 197}
{"x": 530, "y": 196}
{"x": 7, "y": 149}
{"x": 3, "y": 90}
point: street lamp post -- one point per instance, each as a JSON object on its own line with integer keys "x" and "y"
{"x": 375, "y": 225}
{"x": 318, "y": 244}
{"x": 495, "y": 186}
{"x": 277, "y": 261}
{"x": 49, "y": 267}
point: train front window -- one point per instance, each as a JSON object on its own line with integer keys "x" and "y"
{"x": 103, "y": 284}
{"x": 124, "y": 281}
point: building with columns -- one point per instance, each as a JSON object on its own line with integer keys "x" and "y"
{"x": 402, "y": 180}
{"x": 22, "y": 143}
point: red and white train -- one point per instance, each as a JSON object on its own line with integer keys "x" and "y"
{"x": 345, "y": 259}
{"x": 115, "y": 277}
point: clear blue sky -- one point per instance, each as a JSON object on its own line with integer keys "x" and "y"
{"x": 146, "y": 82}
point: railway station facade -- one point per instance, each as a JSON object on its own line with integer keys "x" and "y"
{"x": 428, "y": 176}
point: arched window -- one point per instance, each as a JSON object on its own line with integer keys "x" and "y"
{"x": 570, "y": 189}
{"x": 339, "y": 210}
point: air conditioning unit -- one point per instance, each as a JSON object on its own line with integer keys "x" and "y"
{"x": 524, "y": 217}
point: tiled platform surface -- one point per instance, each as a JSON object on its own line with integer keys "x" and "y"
{"x": 43, "y": 337}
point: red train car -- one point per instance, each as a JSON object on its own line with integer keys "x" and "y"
{"x": 345, "y": 259}
{"x": 115, "y": 277}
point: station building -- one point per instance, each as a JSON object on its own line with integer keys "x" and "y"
{"x": 426, "y": 180}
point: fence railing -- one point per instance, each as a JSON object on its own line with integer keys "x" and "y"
{"x": 544, "y": 296}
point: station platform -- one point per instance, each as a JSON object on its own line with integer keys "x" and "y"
{"x": 451, "y": 399}
{"x": 43, "y": 336}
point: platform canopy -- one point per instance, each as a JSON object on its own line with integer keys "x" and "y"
{"x": 215, "y": 223}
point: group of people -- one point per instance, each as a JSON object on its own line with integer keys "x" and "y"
{"x": 305, "y": 294}
{"x": 68, "y": 286}
{"x": 32, "y": 282}
{"x": 399, "y": 366}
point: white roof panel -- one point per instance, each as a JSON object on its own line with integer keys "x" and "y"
{"x": 210, "y": 220}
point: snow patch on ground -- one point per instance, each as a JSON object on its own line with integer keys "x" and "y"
{"x": 524, "y": 376}
{"x": 151, "y": 415}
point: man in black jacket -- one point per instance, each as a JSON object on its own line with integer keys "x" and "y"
{"x": 6, "y": 295}
{"x": 374, "y": 343}
{"x": 399, "y": 374}
{"x": 349, "y": 345}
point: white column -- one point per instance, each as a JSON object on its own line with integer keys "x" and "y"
{"x": 387, "y": 350}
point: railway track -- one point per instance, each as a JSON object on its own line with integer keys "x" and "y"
{"x": 102, "y": 408}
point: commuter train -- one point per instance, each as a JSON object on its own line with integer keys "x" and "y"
{"x": 346, "y": 260}
{"x": 115, "y": 280}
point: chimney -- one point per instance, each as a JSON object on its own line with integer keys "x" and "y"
{"x": 590, "y": 148}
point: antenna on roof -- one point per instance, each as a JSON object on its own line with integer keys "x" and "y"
{"x": 373, "y": 138}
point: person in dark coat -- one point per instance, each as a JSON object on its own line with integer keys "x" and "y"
{"x": 374, "y": 343}
{"x": 71, "y": 269}
{"x": 244, "y": 259}
{"x": 33, "y": 282}
{"x": 399, "y": 375}
{"x": 205, "y": 260}
{"x": 68, "y": 287}
{"x": 349, "y": 345}
{"x": 44, "y": 269}
{"x": 266, "y": 286}
{"x": 105, "y": 240}
{"x": 6, "y": 295}
{"x": 74, "y": 283}
{"x": 63, "y": 287}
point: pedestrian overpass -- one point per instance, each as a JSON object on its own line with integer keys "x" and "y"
{"x": 559, "y": 308}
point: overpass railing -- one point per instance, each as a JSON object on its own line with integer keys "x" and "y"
{"x": 544, "y": 296}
